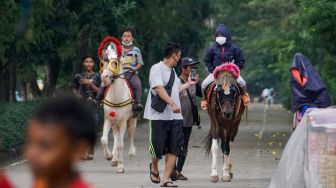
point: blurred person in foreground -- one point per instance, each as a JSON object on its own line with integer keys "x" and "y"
{"x": 308, "y": 88}
{"x": 4, "y": 182}
{"x": 60, "y": 131}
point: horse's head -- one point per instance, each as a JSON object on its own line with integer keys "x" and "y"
{"x": 110, "y": 72}
{"x": 226, "y": 101}
{"x": 226, "y": 77}
{"x": 110, "y": 52}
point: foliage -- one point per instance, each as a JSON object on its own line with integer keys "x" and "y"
{"x": 47, "y": 39}
{"x": 271, "y": 32}
{"x": 57, "y": 34}
{"x": 13, "y": 123}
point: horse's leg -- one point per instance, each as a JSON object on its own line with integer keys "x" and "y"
{"x": 226, "y": 150}
{"x": 230, "y": 161}
{"x": 131, "y": 131}
{"x": 214, "y": 169}
{"x": 104, "y": 139}
{"x": 120, "y": 146}
{"x": 115, "y": 129}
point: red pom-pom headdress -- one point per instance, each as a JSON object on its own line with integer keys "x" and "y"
{"x": 232, "y": 68}
{"x": 116, "y": 44}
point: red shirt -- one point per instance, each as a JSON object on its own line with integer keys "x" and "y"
{"x": 4, "y": 183}
{"x": 77, "y": 183}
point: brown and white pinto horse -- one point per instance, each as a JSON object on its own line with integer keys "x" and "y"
{"x": 225, "y": 110}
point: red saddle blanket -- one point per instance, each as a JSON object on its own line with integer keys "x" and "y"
{"x": 128, "y": 85}
{"x": 209, "y": 90}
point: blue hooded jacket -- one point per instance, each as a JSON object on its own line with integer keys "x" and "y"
{"x": 218, "y": 54}
{"x": 313, "y": 92}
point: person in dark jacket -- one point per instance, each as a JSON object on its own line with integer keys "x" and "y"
{"x": 187, "y": 69}
{"x": 224, "y": 51}
{"x": 85, "y": 86}
{"x": 308, "y": 89}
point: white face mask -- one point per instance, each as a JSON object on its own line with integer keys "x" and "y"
{"x": 221, "y": 40}
{"x": 127, "y": 44}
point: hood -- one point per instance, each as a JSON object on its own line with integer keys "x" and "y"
{"x": 306, "y": 69}
{"x": 222, "y": 29}
{"x": 302, "y": 64}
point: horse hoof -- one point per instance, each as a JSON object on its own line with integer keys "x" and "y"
{"x": 131, "y": 154}
{"x": 109, "y": 158}
{"x": 226, "y": 179}
{"x": 120, "y": 171}
{"x": 214, "y": 179}
{"x": 114, "y": 163}
{"x": 231, "y": 175}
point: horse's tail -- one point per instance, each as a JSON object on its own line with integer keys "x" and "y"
{"x": 207, "y": 144}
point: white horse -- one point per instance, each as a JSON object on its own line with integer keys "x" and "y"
{"x": 118, "y": 114}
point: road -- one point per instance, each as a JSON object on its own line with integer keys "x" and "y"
{"x": 256, "y": 153}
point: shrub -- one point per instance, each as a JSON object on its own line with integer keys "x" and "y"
{"x": 13, "y": 118}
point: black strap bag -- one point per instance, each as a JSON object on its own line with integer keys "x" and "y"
{"x": 157, "y": 103}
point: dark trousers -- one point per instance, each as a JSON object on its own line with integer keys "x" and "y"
{"x": 136, "y": 85}
{"x": 181, "y": 159}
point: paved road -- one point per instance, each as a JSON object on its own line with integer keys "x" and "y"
{"x": 255, "y": 156}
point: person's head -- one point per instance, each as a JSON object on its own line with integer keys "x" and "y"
{"x": 60, "y": 132}
{"x": 172, "y": 52}
{"x": 186, "y": 66}
{"x": 88, "y": 63}
{"x": 222, "y": 35}
{"x": 127, "y": 37}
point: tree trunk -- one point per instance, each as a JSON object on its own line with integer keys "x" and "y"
{"x": 52, "y": 70}
{"x": 82, "y": 51}
{"x": 24, "y": 91}
{"x": 13, "y": 59}
{"x": 33, "y": 89}
{"x": 12, "y": 82}
{"x": 4, "y": 85}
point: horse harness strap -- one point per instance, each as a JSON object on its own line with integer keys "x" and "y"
{"x": 120, "y": 75}
{"x": 122, "y": 104}
{"x": 237, "y": 105}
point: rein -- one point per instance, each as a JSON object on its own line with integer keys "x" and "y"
{"x": 236, "y": 102}
{"x": 114, "y": 77}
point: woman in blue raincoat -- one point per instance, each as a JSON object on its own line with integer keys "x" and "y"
{"x": 308, "y": 89}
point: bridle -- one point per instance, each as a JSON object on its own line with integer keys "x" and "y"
{"x": 116, "y": 75}
{"x": 231, "y": 97}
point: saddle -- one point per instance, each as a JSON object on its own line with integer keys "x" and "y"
{"x": 128, "y": 85}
